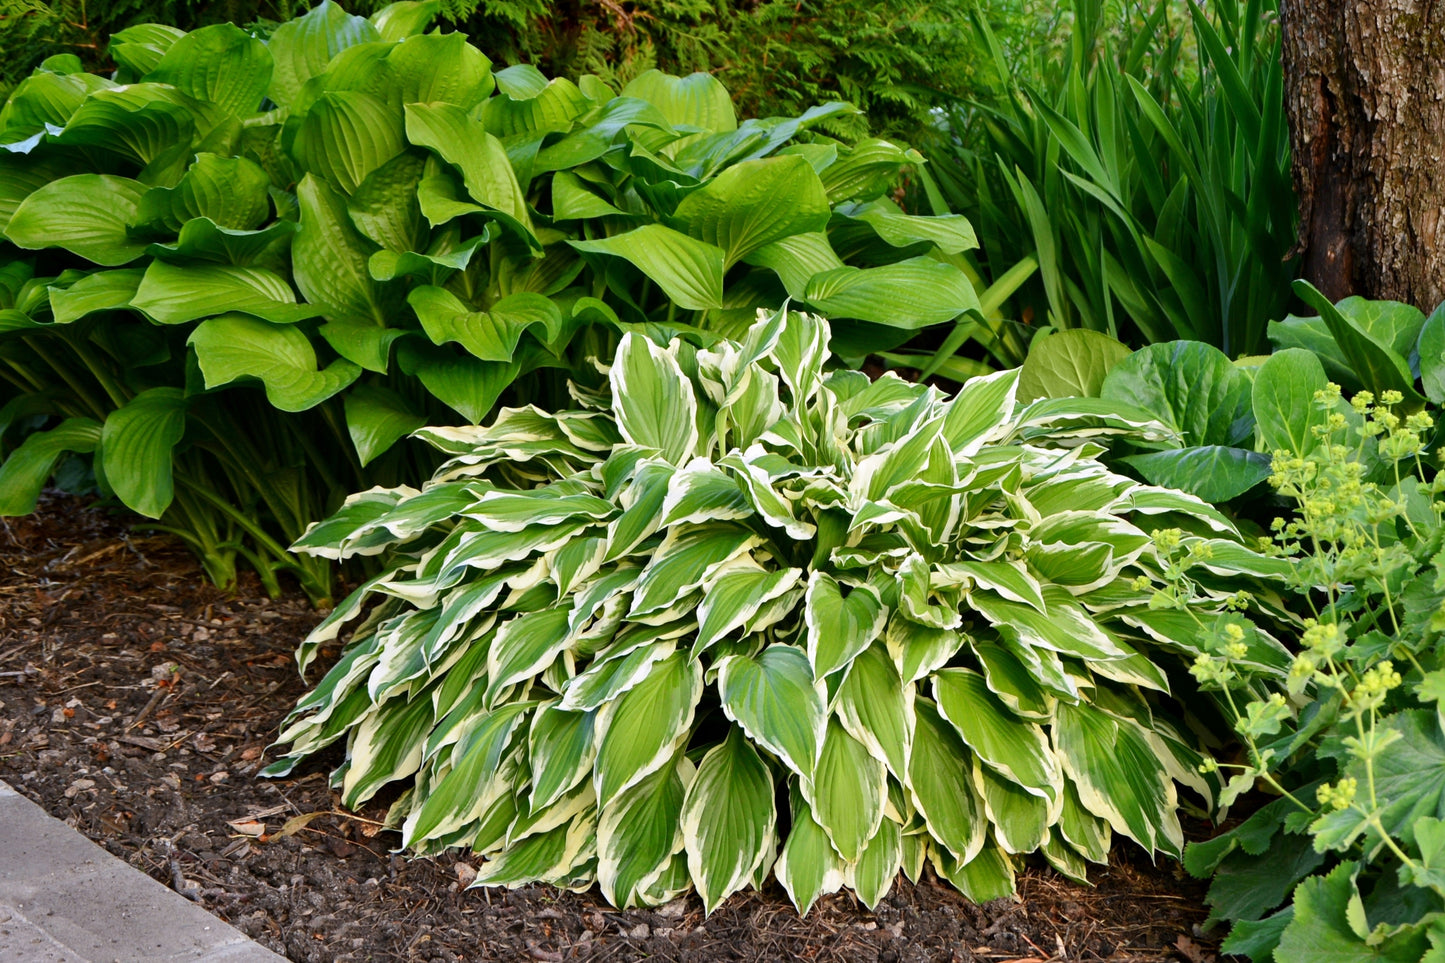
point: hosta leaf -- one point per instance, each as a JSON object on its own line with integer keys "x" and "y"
{"x": 440, "y": 68}
{"x": 1117, "y": 775}
{"x": 979, "y": 411}
{"x": 136, "y": 445}
{"x": 847, "y": 791}
{"x": 467, "y": 385}
{"x": 1009, "y": 579}
{"x": 686, "y": 559}
{"x": 727, "y": 819}
{"x": 702, "y": 492}
{"x": 938, "y": 774}
{"x": 1020, "y": 819}
{"x": 387, "y": 745}
{"x": 561, "y": 746}
{"x": 1066, "y": 628}
{"x": 101, "y": 291}
{"x": 85, "y": 214}
{"x": 1015, "y": 748}
{"x": 28, "y": 467}
{"x": 177, "y": 294}
{"x": 607, "y": 678}
{"x": 734, "y": 598}
{"x": 877, "y": 709}
{"x": 773, "y": 699}
{"x": 796, "y": 260}
{"x": 987, "y": 876}
{"x": 303, "y": 47}
{"x": 756, "y": 203}
{"x": 919, "y": 649}
{"x": 1069, "y": 363}
{"x": 329, "y": 257}
{"x": 235, "y": 346}
{"x": 480, "y": 157}
{"x": 808, "y": 867}
{"x": 376, "y": 418}
{"x": 231, "y": 191}
{"x": 909, "y": 294}
{"x": 641, "y": 730}
{"x": 461, "y": 795}
{"x": 640, "y": 832}
{"x": 346, "y": 135}
{"x": 698, "y": 100}
{"x": 220, "y": 64}
{"x": 840, "y": 627}
{"x": 950, "y": 233}
{"x": 656, "y": 407}
{"x": 689, "y": 271}
{"x": 878, "y": 866}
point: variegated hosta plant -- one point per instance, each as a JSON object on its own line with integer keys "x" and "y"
{"x": 745, "y": 616}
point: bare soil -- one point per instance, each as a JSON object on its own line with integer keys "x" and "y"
{"x": 136, "y": 702}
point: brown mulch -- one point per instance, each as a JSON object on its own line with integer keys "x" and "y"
{"x": 136, "y": 702}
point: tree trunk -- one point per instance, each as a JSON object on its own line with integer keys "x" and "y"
{"x": 1365, "y": 94}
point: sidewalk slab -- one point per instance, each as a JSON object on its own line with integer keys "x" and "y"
{"x": 63, "y": 899}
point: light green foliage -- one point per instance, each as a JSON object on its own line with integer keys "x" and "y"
{"x": 1353, "y": 743}
{"x": 1143, "y": 163}
{"x": 629, "y": 624}
{"x": 366, "y": 222}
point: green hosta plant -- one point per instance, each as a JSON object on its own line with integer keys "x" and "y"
{"x": 741, "y": 615}
{"x": 361, "y": 221}
{"x": 1353, "y": 744}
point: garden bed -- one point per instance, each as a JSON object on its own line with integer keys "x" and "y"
{"x": 136, "y": 703}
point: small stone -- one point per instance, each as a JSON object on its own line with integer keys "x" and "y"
{"x": 219, "y": 777}
{"x": 673, "y": 910}
{"x": 79, "y": 786}
{"x": 640, "y": 932}
{"x": 465, "y": 874}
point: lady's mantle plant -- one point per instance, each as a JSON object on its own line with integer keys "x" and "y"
{"x": 606, "y": 640}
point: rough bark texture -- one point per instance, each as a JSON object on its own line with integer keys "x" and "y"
{"x": 1365, "y": 94}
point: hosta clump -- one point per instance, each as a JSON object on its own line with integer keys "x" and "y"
{"x": 744, "y": 615}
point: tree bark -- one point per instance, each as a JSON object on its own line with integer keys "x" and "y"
{"x": 1365, "y": 95}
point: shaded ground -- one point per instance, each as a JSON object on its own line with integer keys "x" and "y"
{"x": 135, "y": 704}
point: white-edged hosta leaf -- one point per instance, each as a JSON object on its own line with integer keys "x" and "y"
{"x": 878, "y": 865}
{"x": 461, "y": 795}
{"x": 770, "y": 505}
{"x": 1118, "y": 776}
{"x": 1011, "y": 579}
{"x": 526, "y": 645}
{"x": 561, "y": 746}
{"x": 1014, "y": 747}
{"x": 1010, "y": 681}
{"x": 735, "y": 597}
{"x": 808, "y": 867}
{"x": 847, "y": 791}
{"x": 702, "y": 492}
{"x": 839, "y": 627}
{"x": 639, "y": 833}
{"x": 1065, "y": 860}
{"x": 235, "y": 346}
{"x": 773, "y": 699}
{"x": 727, "y": 819}
{"x": 1086, "y": 833}
{"x": 1066, "y": 628}
{"x": 654, "y": 400}
{"x": 980, "y": 412}
{"x": 938, "y": 774}
{"x": 916, "y": 594}
{"x": 607, "y": 678}
{"x": 686, "y": 559}
{"x": 641, "y": 729}
{"x": 876, "y": 708}
{"x": 386, "y": 746}
{"x": 549, "y": 857}
{"x": 506, "y": 511}
{"x": 987, "y": 876}
{"x": 919, "y": 649}
{"x": 1020, "y": 818}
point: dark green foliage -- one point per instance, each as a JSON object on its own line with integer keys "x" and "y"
{"x": 1145, "y": 166}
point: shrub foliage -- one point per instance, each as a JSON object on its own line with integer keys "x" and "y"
{"x": 607, "y": 639}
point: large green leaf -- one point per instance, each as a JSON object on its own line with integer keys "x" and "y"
{"x": 1284, "y": 401}
{"x": 480, "y": 157}
{"x": 101, "y": 291}
{"x": 136, "y": 445}
{"x": 773, "y": 699}
{"x": 756, "y": 203}
{"x": 698, "y": 100}
{"x": 467, "y": 385}
{"x": 877, "y": 710}
{"x": 1215, "y": 473}
{"x": 1068, "y": 363}
{"x": 689, "y": 271}
{"x": 230, "y": 191}
{"x": 938, "y": 775}
{"x": 176, "y": 293}
{"x": 1431, "y": 348}
{"x": 909, "y": 294}
{"x": 1191, "y": 386}
{"x": 639, "y": 833}
{"x": 847, "y": 791}
{"x": 86, "y": 214}
{"x": 235, "y": 346}
{"x": 220, "y": 64}
{"x": 28, "y": 468}
{"x": 1378, "y": 365}
{"x": 346, "y": 135}
{"x": 376, "y": 418}
{"x": 727, "y": 819}
{"x": 329, "y": 257}
{"x": 808, "y": 866}
{"x": 303, "y": 47}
